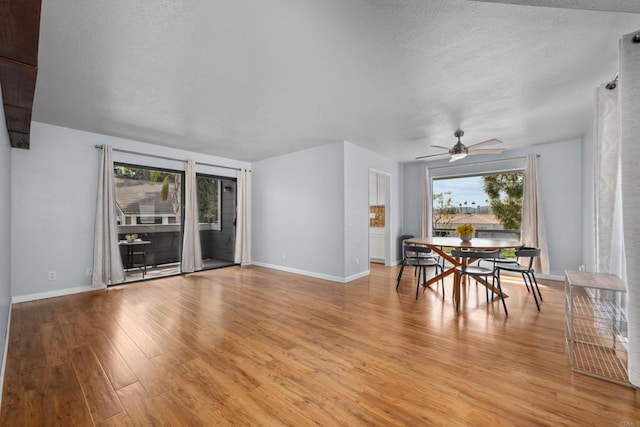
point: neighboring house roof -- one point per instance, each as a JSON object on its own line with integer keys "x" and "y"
{"x": 470, "y": 218}
{"x": 137, "y": 197}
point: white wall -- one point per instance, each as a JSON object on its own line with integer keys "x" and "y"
{"x": 561, "y": 174}
{"x": 53, "y": 197}
{"x": 313, "y": 206}
{"x": 5, "y": 232}
{"x": 298, "y": 211}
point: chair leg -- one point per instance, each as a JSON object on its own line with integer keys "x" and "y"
{"x": 524, "y": 277}
{"x": 400, "y": 274}
{"x": 486, "y": 289}
{"x": 535, "y": 297}
{"x": 418, "y": 284}
{"x": 527, "y": 278}
{"x": 504, "y": 304}
{"x": 533, "y": 276}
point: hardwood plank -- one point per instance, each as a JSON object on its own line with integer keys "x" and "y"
{"x": 120, "y": 420}
{"x": 113, "y": 364}
{"x": 63, "y": 402}
{"x": 54, "y": 344}
{"x": 98, "y": 392}
{"x": 254, "y": 346}
{"x": 140, "y": 365}
{"x": 144, "y": 409}
{"x": 135, "y": 400}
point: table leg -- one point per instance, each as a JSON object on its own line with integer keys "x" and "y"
{"x": 445, "y": 273}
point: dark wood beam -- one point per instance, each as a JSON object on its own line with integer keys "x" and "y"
{"x": 19, "y": 35}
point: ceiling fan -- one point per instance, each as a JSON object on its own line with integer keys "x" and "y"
{"x": 460, "y": 151}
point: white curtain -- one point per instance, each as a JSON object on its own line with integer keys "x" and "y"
{"x": 608, "y": 194}
{"x": 533, "y": 227}
{"x": 629, "y": 83}
{"x": 107, "y": 264}
{"x": 243, "y": 215}
{"x": 426, "y": 220}
{"x": 191, "y": 250}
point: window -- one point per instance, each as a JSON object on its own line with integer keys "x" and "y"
{"x": 492, "y": 203}
{"x": 208, "y": 202}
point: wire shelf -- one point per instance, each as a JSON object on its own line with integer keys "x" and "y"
{"x": 594, "y": 326}
{"x": 602, "y": 362}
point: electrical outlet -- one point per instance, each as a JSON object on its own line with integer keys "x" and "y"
{"x": 89, "y": 271}
{"x": 52, "y": 275}
{"x": 357, "y": 261}
{"x": 284, "y": 255}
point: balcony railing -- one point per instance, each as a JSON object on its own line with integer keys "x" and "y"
{"x": 486, "y": 234}
{"x": 166, "y": 242}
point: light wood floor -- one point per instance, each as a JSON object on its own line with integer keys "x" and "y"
{"x": 255, "y": 346}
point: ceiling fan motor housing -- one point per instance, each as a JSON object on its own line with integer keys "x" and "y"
{"x": 459, "y": 147}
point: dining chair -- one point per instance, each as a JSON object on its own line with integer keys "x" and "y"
{"x": 422, "y": 258}
{"x": 467, "y": 268}
{"x": 523, "y": 264}
{"x": 431, "y": 254}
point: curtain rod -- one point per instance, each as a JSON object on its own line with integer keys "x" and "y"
{"x": 479, "y": 163}
{"x": 170, "y": 158}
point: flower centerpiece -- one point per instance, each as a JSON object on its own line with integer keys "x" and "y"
{"x": 131, "y": 237}
{"x": 465, "y": 231}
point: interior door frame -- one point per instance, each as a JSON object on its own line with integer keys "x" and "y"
{"x": 387, "y": 215}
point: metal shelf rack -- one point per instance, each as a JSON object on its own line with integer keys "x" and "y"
{"x": 594, "y": 325}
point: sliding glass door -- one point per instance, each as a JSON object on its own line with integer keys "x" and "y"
{"x": 149, "y": 203}
{"x": 216, "y": 212}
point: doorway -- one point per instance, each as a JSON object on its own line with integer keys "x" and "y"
{"x": 379, "y": 217}
{"x": 150, "y": 209}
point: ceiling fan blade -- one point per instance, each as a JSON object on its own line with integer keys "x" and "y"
{"x": 485, "y": 150}
{"x": 487, "y": 142}
{"x": 440, "y": 146}
{"x": 431, "y": 155}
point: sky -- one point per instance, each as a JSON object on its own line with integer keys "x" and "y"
{"x": 464, "y": 189}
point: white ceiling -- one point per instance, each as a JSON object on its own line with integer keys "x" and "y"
{"x": 253, "y": 79}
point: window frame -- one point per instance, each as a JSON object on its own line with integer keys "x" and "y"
{"x": 520, "y": 170}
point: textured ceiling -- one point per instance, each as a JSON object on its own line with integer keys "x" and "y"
{"x": 253, "y": 79}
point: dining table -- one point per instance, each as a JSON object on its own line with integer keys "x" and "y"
{"x": 439, "y": 244}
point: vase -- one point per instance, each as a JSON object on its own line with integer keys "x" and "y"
{"x": 466, "y": 237}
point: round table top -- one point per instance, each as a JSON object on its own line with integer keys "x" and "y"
{"x": 475, "y": 243}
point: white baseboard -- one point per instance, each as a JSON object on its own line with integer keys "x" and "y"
{"x": 4, "y": 355}
{"x": 312, "y": 273}
{"x": 356, "y": 276}
{"x": 52, "y": 294}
